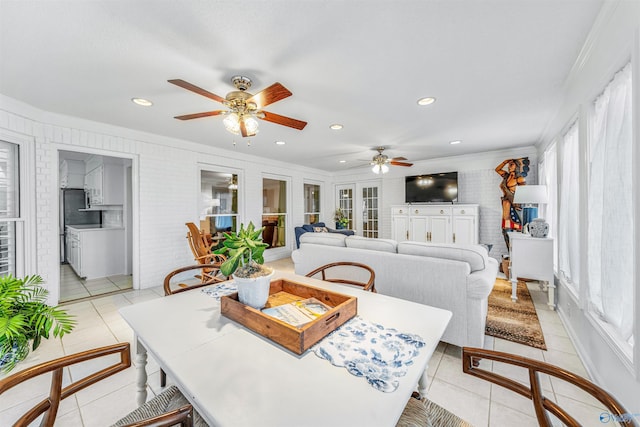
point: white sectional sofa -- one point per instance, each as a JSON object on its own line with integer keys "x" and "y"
{"x": 454, "y": 277}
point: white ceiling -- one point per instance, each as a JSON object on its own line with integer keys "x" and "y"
{"x": 497, "y": 69}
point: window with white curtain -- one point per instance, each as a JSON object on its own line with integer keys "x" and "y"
{"x": 568, "y": 218}
{"x": 611, "y": 231}
{"x": 9, "y": 207}
{"x": 548, "y": 175}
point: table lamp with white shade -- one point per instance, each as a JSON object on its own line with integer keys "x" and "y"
{"x": 530, "y": 195}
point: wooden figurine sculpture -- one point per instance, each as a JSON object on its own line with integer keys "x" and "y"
{"x": 517, "y": 170}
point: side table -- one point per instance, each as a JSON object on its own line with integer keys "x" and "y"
{"x": 532, "y": 258}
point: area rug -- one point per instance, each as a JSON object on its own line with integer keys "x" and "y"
{"x": 517, "y": 322}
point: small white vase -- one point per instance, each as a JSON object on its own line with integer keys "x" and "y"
{"x": 253, "y": 291}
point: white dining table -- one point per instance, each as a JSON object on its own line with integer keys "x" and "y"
{"x": 235, "y": 377}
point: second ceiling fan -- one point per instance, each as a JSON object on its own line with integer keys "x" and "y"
{"x": 380, "y": 162}
{"x": 244, "y": 108}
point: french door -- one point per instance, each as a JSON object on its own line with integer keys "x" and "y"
{"x": 361, "y": 204}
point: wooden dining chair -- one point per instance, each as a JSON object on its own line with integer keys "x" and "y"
{"x": 157, "y": 412}
{"x": 337, "y": 272}
{"x": 202, "y": 254}
{"x": 542, "y": 404}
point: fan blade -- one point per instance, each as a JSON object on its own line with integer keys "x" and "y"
{"x": 394, "y": 163}
{"x": 282, "y": 120}
{"x": 196, "y": 89}
{"x": 399, "y": 158}
{"x": 243, "y": 129}
{"x": 267, "y": 96}
{"x": 198, "y": 115}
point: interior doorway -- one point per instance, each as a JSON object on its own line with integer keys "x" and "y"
{"x": 95, "y": 225}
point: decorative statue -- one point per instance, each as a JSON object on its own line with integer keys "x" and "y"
{"x": 517, "y": 170}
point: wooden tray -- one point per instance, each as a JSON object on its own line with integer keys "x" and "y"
{"x": 284, "y": 291}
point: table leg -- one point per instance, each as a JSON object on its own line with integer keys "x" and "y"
{"x": 141, "y": 368}
{"x": 551, "y": 291}
{"x": 514, "y": 288}
{"x": 423, "y": 383}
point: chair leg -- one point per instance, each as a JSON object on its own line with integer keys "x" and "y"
{"x": 163, "y": 378}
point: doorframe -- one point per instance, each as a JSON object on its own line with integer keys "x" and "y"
{"x": 135, "y": 208}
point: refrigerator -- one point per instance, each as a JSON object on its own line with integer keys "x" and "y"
{"x": 71, "y": 200}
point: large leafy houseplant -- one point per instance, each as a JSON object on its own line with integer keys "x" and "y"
{"x": 25, "y": 318}
{"x": 245, "y": 253}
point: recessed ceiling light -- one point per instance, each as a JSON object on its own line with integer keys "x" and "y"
{"x": 141, "y": 101}
{"x": 455, "y": 142}
{"x": 426, "y": 101}
{"x": 336, "y": 126}
{"x": 280, "y": 142}
{"x": 343, "y": 161}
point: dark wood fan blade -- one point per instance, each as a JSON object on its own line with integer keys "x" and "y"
{"x": 399, "y": 158}
{"x": 284, "y": 121}
{"x": 273, "y": 93}
{"x": 196, "y": 89}
{"x": 243, "y": 129}
{"x": 198, "y": 115}
{"x": 394, "y": 163}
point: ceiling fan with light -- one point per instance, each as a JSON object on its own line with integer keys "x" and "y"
{"x": 380, "y": 162}
{"x": 243, "y": 107}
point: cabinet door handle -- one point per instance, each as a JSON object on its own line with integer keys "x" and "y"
{"x": 441, "y": 211}
{"x": 454, "y": 237}
{"x": 462, "y": 211}
{"x": 401, "y": 211}
{"x": 417, "y": 211}
{"x": 407, "y": 234}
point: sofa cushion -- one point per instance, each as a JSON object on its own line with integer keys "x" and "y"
{"x": 328, "y": 239}
{"x": 474, "y": 255}
{"x": 383, "y": 245}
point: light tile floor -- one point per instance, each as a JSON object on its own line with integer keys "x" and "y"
{"x": 74, "y": 288}
{"x": 478, "y": 402}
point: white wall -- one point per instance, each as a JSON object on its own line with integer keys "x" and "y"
{"x": 478, "y": 183}
{"x": 613, "y": 41}
{"x": 165, "y": 187}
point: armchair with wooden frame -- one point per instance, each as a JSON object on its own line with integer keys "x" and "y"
{"x": 210, "y": 271}
{"x": 156, "y": 412}
{"x": 542, "y": 404}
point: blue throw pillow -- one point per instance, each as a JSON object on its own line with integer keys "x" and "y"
{"x": 307, "y": 227}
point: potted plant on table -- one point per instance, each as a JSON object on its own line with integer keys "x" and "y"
{"x": 245, "y": 258}
{"x": 25, "y": 318}
{"x": 341, "y": 219}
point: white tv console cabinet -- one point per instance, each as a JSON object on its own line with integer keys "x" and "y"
{"x": 435, "y": 223}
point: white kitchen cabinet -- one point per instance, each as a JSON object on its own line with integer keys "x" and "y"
{"x": 96, "y": 252}
{"x": 71, "y": 173}
{"x": 435, "y": 223}
{"x": 105, "y": 184}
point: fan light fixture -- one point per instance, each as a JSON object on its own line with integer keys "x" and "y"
{"x": 380, "y": 168}
{"x": 232, "y": 123}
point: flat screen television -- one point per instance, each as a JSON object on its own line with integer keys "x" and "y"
{"x": 434, "y": 187}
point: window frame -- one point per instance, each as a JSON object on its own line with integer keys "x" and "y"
{"x": 25, "y": 222}
{"x": 306, "y": 214}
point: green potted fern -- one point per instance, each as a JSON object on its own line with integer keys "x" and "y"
{"x": 25, "y": 318}
{"x": 245, "y": 259}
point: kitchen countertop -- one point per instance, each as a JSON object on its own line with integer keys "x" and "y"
{"x": 93, "y": 227}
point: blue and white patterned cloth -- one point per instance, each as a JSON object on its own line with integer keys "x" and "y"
{"x": 380, "y": 355}
{"x": 218, "y": 291}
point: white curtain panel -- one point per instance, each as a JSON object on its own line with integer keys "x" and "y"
{"x": 548, "y": 173}
{"x": 568, "y": 225}
{"x": 611, "y": 229}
